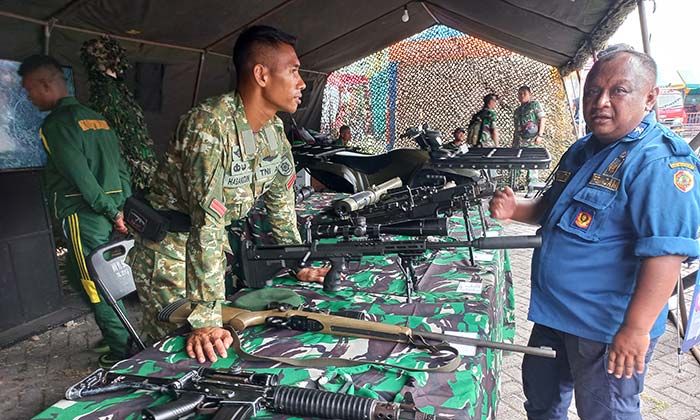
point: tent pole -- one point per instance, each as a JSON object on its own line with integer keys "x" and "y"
{"x": 641, "y": 8}
{"x": 48, "y": 28}
{"x": 202, "y": 57}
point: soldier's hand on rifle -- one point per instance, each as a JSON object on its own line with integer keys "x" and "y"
{"x": 204, "y": 343}
{"x": 312, "y": 274}
{"x": 503, "y": 204}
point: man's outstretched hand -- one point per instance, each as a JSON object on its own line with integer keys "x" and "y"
{"x": 503, "y": 204}
{"x": 205, "y": 343}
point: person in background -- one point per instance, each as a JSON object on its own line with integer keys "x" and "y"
{"x": 87, "y": 181}
{"x": 482, "y": 131}
{"x": 621, "y": 216}
{"x": 344, "y": 136}
{"x": 529, "y": 123}
{"x": 459, "y": 137}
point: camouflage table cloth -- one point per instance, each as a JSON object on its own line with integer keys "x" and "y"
{"x": 449, "y": 297}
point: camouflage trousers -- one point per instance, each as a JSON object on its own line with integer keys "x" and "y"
{"x": 160, "y": 276}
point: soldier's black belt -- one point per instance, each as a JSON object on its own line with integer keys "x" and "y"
{"x": 153, "y": 224}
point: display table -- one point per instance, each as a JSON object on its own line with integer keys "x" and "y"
{"x": 449, "y": 297}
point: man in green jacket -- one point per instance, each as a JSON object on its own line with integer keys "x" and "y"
{"x": 87, "y": 182}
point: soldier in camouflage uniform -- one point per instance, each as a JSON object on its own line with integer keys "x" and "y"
{"x": 228, "y": 151}
{"x": 528, "y": 120}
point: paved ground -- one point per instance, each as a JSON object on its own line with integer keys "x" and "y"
{"x": 35, "y": 373}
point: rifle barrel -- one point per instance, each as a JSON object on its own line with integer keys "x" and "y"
{"x": 456, "y": 339}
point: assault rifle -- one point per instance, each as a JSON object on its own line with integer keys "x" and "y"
{"x": 349, "y": 325}
{"x": 261, "y": 263}
{"x": 238, "y": 395}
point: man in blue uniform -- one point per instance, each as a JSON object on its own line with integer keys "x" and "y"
{"x": 620, "y": 218}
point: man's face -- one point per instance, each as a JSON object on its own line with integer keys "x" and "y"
{"x": 285, "y": 84}
{"x": 459, "y": 136}
{"x": 38, "y": 91}
{"x": 615, "y": 98}
{"x": 491, "y": 104}
{"x": 345, "y": 135}
{"x": 524, "y": 96}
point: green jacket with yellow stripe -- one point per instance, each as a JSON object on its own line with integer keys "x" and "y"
{"x": 84, "y": 169}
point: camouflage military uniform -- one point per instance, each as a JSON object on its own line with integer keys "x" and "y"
{"x": 214, "y": 171}
{"x": 526, "y": 117}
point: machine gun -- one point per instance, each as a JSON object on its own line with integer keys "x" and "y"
{"x": 260, "y": 263}
{"x": 284, "y": 316}
{"x": 238, "y": 395}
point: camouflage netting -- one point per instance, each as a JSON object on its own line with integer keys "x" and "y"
{"x": 439, "y": 77}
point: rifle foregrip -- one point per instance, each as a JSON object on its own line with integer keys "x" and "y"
{"x": 509, "y": 242}
{"x": 303, "y": 402}
{"x": 180, "y": 407}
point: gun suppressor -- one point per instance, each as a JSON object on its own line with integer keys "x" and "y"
{"x": 363, "y": 199}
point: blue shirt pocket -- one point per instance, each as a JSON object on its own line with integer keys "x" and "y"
{"x": 586, "y": 215}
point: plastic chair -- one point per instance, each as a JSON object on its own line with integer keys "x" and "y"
{"x": 108, "y": 269}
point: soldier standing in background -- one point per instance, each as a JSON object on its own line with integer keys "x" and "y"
{"x": 528, "y": 122}
{"x": 228, "y": 151}
{"x": 87, "y": 181}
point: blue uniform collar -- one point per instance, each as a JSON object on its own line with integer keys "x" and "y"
{"x": 639, "y": 132}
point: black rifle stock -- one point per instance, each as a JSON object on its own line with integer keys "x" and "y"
{"x": 261, "y": 263}
{"x": 240, "y": 395}
{"x": 298, "y": 319}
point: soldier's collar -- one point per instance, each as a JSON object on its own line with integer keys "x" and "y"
{"x": 246, "y": 136}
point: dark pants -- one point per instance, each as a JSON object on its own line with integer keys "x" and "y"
{"x": 86, "y": 231}
{"x": 580, "y": 368}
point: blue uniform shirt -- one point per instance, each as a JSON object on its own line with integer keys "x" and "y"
{"x": 609, "y": 207}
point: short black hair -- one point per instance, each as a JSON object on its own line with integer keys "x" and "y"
{"x": 38, "y": 62}
{"x": 255, "y": 36}
{"x": 458, "y": 130}
{"x": 643, "y": 61}
{"x": 489, "y": 97}
{"x": 343, "y": 128}
{"x": 524, "y": 88}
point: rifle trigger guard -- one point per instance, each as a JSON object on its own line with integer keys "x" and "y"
{"x": 276, "y": 321}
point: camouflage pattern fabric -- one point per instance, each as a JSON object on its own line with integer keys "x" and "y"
{"x": 471, "y": 392}
{"x": 111, "y": 97}
{"x": 525, "y": 120}
{"x": 214, "y": 171}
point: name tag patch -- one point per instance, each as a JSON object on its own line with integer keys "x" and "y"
{"x": 604, "y": 181}
{"x": 233, "y": 181}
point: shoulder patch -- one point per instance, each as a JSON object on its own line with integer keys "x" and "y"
{"x": 86, "y": 125}
{"x": 675, "y": 165}
{"x": 684, "y": 180}
{"x": 285, "y": 166}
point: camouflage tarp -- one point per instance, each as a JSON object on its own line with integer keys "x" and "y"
{"x": 377, "y": 288}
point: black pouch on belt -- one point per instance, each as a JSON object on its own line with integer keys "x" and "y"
{"x": 153, "y": 224}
